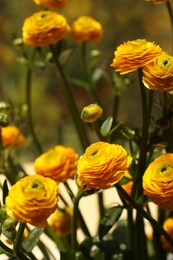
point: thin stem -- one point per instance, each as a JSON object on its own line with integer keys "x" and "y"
{"x": 145, "y": 214}
{"x": 75, "y": 220}
{"x": 144, "y": 138}
{"x": 29, "y": 107}
{"x": 71, "y": 103}
{"x": 101, "y": 204}
{"x": 6, "y": 248}
{"x": 97, "y": 131}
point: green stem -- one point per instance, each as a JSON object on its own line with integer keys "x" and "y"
{"x": 29, "y": 107}
{"x": 6, "y": 248}
{"x": 71, "y": 103}
{"x": 144, "y": 213}
{"x": 97, "y": 131}
{"x": 75, "y": 220}
{"x": 87, "y": 73}
{"x": 144, "y": 139}
{"x": 101, "y": 204}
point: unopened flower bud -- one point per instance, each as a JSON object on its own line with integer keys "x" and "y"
{"x": 9, "y": 224}
{"x": 5, "y": 119}
{"x": 91, "y": 113}
{"x": 5, "y": 107}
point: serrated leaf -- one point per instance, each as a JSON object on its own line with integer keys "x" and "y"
{"x": 32, "y": 240}
{"x": 111, "y": 217}
{"x": 5, "y": 191}
{"x": 106, "y": 126}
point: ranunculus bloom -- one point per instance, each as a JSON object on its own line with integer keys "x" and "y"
{"x": 158, "y": 74}
{"x": 58, "y": 163}
{"x": 158, "y": 181}
{"x": 32, "y": 200}
{"x": 11, "y": 136}
{"x": 102, "y": 165}
{"x": 168, "y": 227}
{"x": 44, "y": 27}
{"x": 133, "y": 55}
{"x": 158, "y": 1}
{"x": 59, "y": 4}
{"x": 91, "y": 113}
{"x": 61, "y": 221}
{"x": 86, "y": 29}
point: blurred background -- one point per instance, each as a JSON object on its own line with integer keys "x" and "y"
{"x": 122, "y": 20}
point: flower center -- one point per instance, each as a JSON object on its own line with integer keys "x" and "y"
{"x": 94, "y": 152}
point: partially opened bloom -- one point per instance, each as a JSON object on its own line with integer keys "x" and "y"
{"x": 158, "y": 181}
{"x": 91, "y": 113}
{"x": 32, "y": 200}
{"x": 102, "y": 165}
{"x": 53, "y": 4}
{"x": 85, "y": 29}
{"x": 168, "y": 227}
{"x": 61, "y": 221}
{"x": 11, "y": 136}
{"x": 158, "y": 75}
{"x": 132, "y": 55}
{"x": 58, "y": 163}
{"x": 44, "y": 27}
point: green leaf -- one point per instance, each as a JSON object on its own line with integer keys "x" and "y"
{"x": 125, "y": 180}
{"x": 5, "y": 191}
{"x": 106, "y": 126}
{"x": 111, "y": 217}
{"x": 64, "y": 55}
{"x": 32, "y": 240}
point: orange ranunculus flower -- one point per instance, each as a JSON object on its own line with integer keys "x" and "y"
{"x": 44, "y": 27}
{"x": 128, "y": 186}
{"x": 102, "y": 165}
{"x": 158, "y": 1}
{"x": 91, "y": 113}
{"x": 158, "y": 74}
{"x": 32, "y": 200}
{"x": 61, "y": 221}
{"x": 86, "y": 29}
{"x": 58, "y": 163}
{"x": 11, "y": 136}
{"x": 59, "y": 4}
{"x": 158, "y": 181}
{"x": 133, "y": 55}
{"x": 168, "y": 227}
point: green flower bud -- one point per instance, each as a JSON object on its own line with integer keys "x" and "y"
{"x": 91, "y": 113}
{"x": 5, "y": 107}
{"x": 5, "y": 119}
{"x": 9, "y": 224}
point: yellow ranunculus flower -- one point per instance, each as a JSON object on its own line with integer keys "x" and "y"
{"x": 32, "y": 200}
{"x": 158, "y": 74}
{"x": 61, "y": 221}
{"x": 158, "y": 181}
{"x": 59, "y": 4}
{"x": 168, "y": 227}
{"x": 11, "y": 136}
{"x": 44, "y": 27}
{"x": 102, "y": 165}
{"x": 58, "y": 163}
{"x": 91, "y": 113}
{"x": 133, "y": 55}
{"x": 85, "y": 29}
